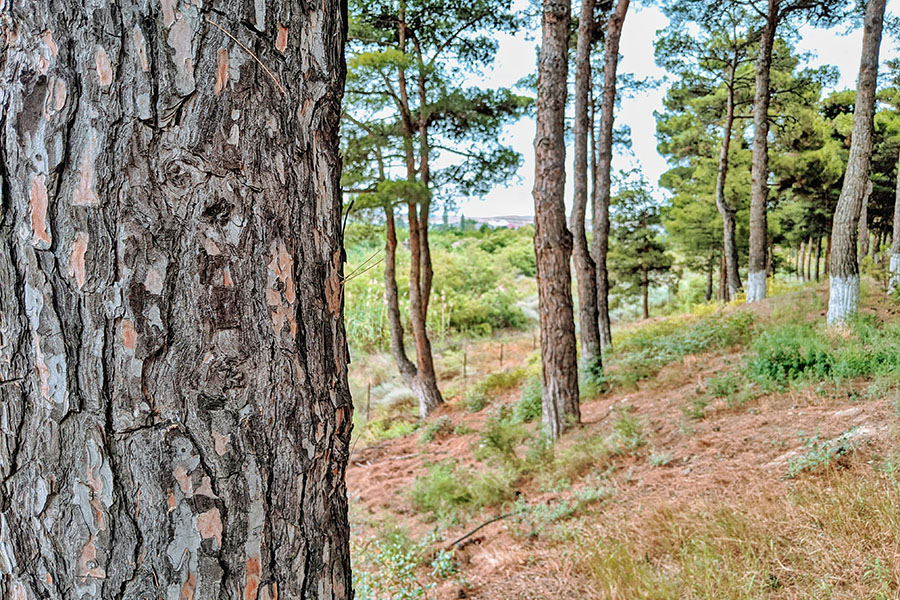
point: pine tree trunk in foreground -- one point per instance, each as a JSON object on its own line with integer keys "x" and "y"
{"x": 552, "y": 240}
{"x": 585, "y": 269}
{"x": 843, "y": 300}
{"x": 759, "y": 190}
{"x": 894, "y": 267}
{"x": 174, "y": 406}
{"x": 602, "y": 176}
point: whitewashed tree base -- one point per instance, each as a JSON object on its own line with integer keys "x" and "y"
{"x": 895, "y": 272}
{"x": 843, "y": 299}
{"x": 756, "y": 286}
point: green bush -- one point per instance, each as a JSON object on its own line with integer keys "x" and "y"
{"x": 641, "y": 352}
{"x": 501, "y": 436}
{"x": 529, "y": 407}
{"x": 788, "y": 353}
{"x": 482, "y": 392}
{"x": 441, "y": 490}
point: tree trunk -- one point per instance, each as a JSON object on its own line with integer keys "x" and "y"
{"x": 895, "y": 239}
{"x": 392, "y": 300}
{"x": 723, "y": 281}
{"x": 426, "y": 389}
{"x": 173, "y": 365}
{"x": 864, "y": 224}
{"x": 827, "y": 254}
{"x": 809, "y": 259}
{"x": 552, "y": 240}
{"x": 843, "y": 301}
{"x": 710, "y": 267}
{"x": 801, "y": 260}
{"x": 585, "y": 270}
{"x": 759, "y": 191}
{"x": 725, "y": 209}
{"x": 818, "y": 255}
{"x": 602, "y": 176}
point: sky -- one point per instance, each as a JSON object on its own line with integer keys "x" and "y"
{"x": 516, "y": 58}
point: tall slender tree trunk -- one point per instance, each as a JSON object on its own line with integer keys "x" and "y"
{"x": 723, "y": 280}
{"x": 173, "y": 365}
{"x": 585, "y": 270}
{"x": 759, "y": 191}
{"x": 602, "y": 176}
{"x": 818, "y": 256}
{"x": 809, "y": 260}
{"x": 801, "y": 260}
{"x": 552, "y": 240}
{"x": 727, "y": 211}
{"x": 864, "y": 224}
{"x": 828, "y": 253}
{"x": 392, "y": 299}
{"x": 843, "y": 300}
{"x": 710, "y": 267}
{"x": 894, "y": 267}
{"x": 426, "y": 390}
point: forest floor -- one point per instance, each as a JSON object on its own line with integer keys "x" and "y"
{"x": 695, "y": 481}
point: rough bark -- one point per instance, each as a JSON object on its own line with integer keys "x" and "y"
{"x": 727, "y": 211}
{"x": 602, "y": 175}
{"x": 392, "y": 299}
{"x": 585, "y": 269}
{"x": 864, "y": 224}
{"x": 894, "y": 266}
{"x": 174, "y": 406}
{"x": 759, "y": 192}
{"x": 552, "y": 240}
{"x": 843, "y": 300}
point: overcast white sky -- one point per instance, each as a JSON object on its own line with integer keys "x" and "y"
{"x": 516, "y": 59}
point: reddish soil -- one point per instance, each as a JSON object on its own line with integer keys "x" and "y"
{"x": 731, "y": 453}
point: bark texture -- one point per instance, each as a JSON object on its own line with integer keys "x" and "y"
{"x": 728, "y": 212}
{"x": 864, "y": 224}
{"x": 174, "y": 407}
{"x": 585, "y": 269}
{"x": 759, "y": 191}
{"x": 843, "y": 301}
{"x": 602, "y": 175}
{"x": 552, "y": 240}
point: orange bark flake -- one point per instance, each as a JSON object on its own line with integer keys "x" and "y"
{"x": 84, "y": 194}
{"x": 170, "y": 501}
{"x": 209, "y": 524}
{"x": 129, "y": 335}
{"x": 141, "y": 48}
{"x": 281, "y": 40}
{"x": 87, "y": 561}
{"x": 104, "y": 68}
{"x": 251, "y": 576}
{"x": 39, "y": 203}
{"x": 187, "y": 590}
{"x": 221, "y": 71}
{"x": 47, "y": 38}
{"x": 76, "y": 258}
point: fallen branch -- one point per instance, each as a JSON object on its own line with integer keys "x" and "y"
{"x": 485, "y": 524}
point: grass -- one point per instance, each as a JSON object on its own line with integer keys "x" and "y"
{"x": 639, "y": 353}
{"x": 836, "y": 540}
{"x": 805, "y": 352}
{"x": 491, "y": 385}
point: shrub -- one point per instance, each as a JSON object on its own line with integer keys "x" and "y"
{"x": 529, "y": 407}
{"x": 491, "y": 385}
{"x": 441, "y": 427}
{"x": 788, "y": 353}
